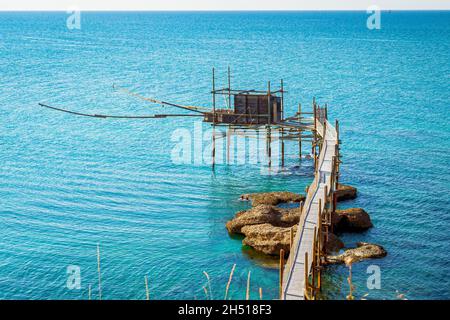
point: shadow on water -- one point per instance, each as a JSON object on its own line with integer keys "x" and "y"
{"x": 262, "y": 260}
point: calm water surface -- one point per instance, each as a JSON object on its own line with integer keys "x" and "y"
{"x": 68, "y": 183}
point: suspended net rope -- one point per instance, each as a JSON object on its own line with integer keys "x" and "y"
{"x": 136, "y": 95}
{"x": 104, "y": 116}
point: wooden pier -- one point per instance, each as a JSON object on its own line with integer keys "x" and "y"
{"x": 250, "y": 111}
{"x": 301, "y": 277}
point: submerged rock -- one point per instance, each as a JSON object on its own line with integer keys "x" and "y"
{"x": 334, "y": 244}
{"x": 361, "y": 252}
{"x": 262, "y": 214}
{"x": 267, "y": 238}
{"x": 351, "y": 220}
{"x": 345, "y": 192}
{"x": 272, "y": 198}
{"x": 261, "y": 259}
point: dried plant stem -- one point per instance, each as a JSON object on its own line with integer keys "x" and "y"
{"x": 260, "y": 293}
{"x": 89, "y": 292}
{"x": 229, "y": 281}
{"x": 147, "y": 293}
{"x": 209, "y": 284}
{"x": 206, "y": 292}
{"x": 247, "y": 294}
{"x": 349, "y": 279}
{"x": 99, "y": 273}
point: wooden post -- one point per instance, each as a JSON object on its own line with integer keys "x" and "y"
{"x": 313, "y": 262}
{"x": 330, "y": 214}
{"x": 337, "y": 130}
{"x": 337, "y": 168}
{"x": 318, "y": 258}
{"x": 315, "y": 161}
{"x": 281, "y": 273}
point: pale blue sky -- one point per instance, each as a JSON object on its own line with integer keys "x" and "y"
{"x": 221, "y": 4}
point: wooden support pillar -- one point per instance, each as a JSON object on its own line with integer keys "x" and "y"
{"x": 337, "y": 130}
{"x": 313, "y": 262}
{"x": 318, "y": 273}
{"x": 315, "y": 162}
{"x": 281, "y": 273}
{"x": 333, "y": 211}
{"x": 337, "y": 169}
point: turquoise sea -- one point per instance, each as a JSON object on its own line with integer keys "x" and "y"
{"x": 69, "y": 183}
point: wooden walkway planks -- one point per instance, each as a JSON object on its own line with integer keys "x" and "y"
{"x": 294, "y": 274}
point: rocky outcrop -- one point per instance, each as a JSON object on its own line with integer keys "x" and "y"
{"x": 361, "y": 252}
{"x": 263, "y": 214}
{"x": 351, "y": 220}
{"x": 267, "y": 238}
{"x": 267, "y": 228}
{"x": 272, "y": 198}
{"x": 345, "y": 192}
{"x": 333, "y": 243}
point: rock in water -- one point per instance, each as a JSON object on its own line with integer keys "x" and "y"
{"x": 363, "y": 251}
{"x": 267, "y": 238}
{"x": 262, "y": 214}
{"x": 334, "y": 244}
{"x": 272, "y": 198}
{"x": 351, "y": 220}
{"x": 345, "y": 192}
